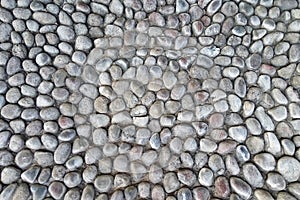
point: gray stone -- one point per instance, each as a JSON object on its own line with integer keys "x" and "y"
{"x": 158, "y": 193}
{"x": 74, "y": 162}
{"x": 241, "y": 187}
{"x": 65, "y": 33}
{"x": 206, "y": 177}
{"x": 57, "y": 189}
{"x": 252, "y": 175}
{"x": 207, "y": 145}
{"x": 264, "y": 119}
{"x": 38, "y": 191}
{"x": 238, "y": 133}
{"x": 287, "y": 167}
{"x": 286, "y": 5}
{"x": 5, "y": 32}
{"x": 44, "y": 18}
{"x": 294, "y": 189}
{"x": 31, "y": 174}
{"x": 88, "y": 193}
{"x": 242, "y": 153}
{"x": 183, "y": 131}
{"x": 294, "y": 54}
{"x": 22, "y": 192}
{"x": 272, "y": 38}
{"x": 181, "y": 6}
{"x": 240, "y": 87}
{"x": 121, "y": 163}
{"x": 72, "y": 179}
{"x": 10, "y": 111}
{"x": 216, "y": 164}
{"x": 213, "y": 7}
{"x": 62, "y": 153}
{"x": 10, "y": 175}
{"x": 213, "y": 29}
{"x": 265, "y": 161}
{"x": 262, "y": 194}
{"x": 201, "y": 193}
{"x": 116, "y": 7}
{"x": 272, "y": 144}
{"x": 278, "y": 113}
{"x": 170, "y": 182}
{"x": 275, "y": 181}
{"x": 99, "y": 120}
{"x": 229, "y": 9}
{"x": 80, "y": 145}
{"x": 184, "y": 193}
{"x": 103, "y": 183}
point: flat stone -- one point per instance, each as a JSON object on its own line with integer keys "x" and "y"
{"x": 275, "y": 181}
{"x": 10, "y": 175}
{"x": 278, "y": 113}
{"x": 116, "y": 7}
{"x": 206, "y": 177}
{"x": 241, "y": 187}
{"x": 265, "y": 161}
{"x": 272, "y": 38}
{"x": 240, "y": 87}
{"x": 264, "y": 119}
{"x": 65, "y": 33}
{"x": 216, "y": 164}
{"x": 186, "y": 177}
{"x": 213, "y": 29}
{"x": 22, "y": 192}
{"x": 213, "y": 7}
{"x": 181, "y": 6}
{"x": 88, "y": 193}
{"x": 113, "y": 30}
{"x": 294, "y": 54}
{"x": 38, "y": 191}
{"x": 170, "y": 182}
{"x": 252, "y": 175}
{"x": 57, "y": 189}
{"x": 287, "y": 167}
{"x": 44, "y": 159}
{"x": 183, "y": 131}
{"x": 255, "y": 144}
{"x": 103, "y": 183}
{"x": 184, "y": 193}
{"x": 10, "y": 111}
{"x": 262, "y": 194}
{"x": 99, "y": 120}
{"x": 272, "y": 144}
{"x": 253, "y": 126}
{"x": 121, "y": 164}
{"x": 62, "y": 153}
{"x": 286, "y": 5}
{"x": 72, "y": 179}
{"x": 44, "y": 18}
{"x": 229, "y": 9}
{"x": 254, "y": 61}
{"x": 207, "y": 145}
{"x": 149, "y": 5}
{"x": 201, "y": 193}
{"x": 222, "y": 189}
{"x": 294, "y": 189}
{"x": 30, "y": 174}
{"x": 238, "y": 133}
{"x": 242, "y": 153}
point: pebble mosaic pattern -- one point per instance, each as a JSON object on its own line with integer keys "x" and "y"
{"x": 149, "y": 99}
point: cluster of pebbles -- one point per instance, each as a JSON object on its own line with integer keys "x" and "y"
{"x": 149, "y": 99}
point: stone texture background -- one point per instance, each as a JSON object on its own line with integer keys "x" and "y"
{"x": 149, "y": 99}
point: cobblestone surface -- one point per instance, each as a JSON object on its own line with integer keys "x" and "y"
{"x": 149, "y": 99}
